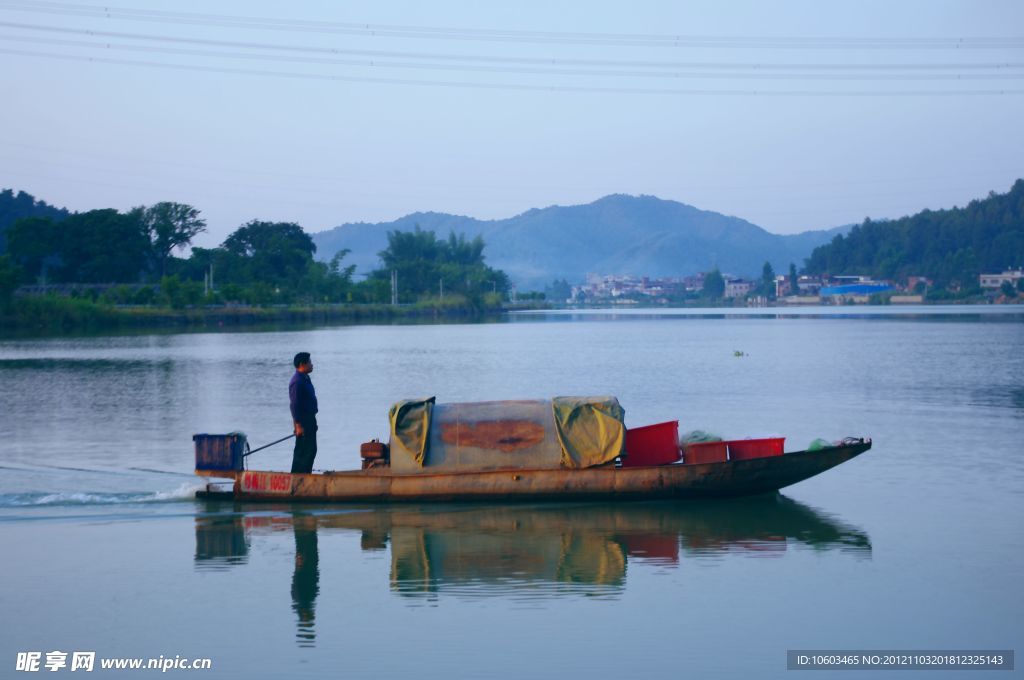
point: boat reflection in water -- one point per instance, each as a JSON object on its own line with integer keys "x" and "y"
{"x": 221, "y": 541}
{"x": 520, "y": 552}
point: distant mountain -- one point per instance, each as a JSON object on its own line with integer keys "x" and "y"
{"x": 948, "y": 246}
{"x": 14, "y": 206}
{"x": 618, "y": 234}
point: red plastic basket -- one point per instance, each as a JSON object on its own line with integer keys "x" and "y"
{"x": 745, "y": 449}
{"x": 707, "y": 452}
{"x": 652, "y": 445}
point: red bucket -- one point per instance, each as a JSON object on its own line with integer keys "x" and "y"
{"x": 745, "y": 449}
{"x": 707, "y": 452}
{"x": 652, "y": 445}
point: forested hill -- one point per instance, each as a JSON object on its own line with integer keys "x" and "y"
{"x": 617, "y": 234}
{"x": 14, "y": 206}
{"x": 950, "y": 246}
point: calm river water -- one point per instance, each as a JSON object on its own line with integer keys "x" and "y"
{"x": 917, "y": 544}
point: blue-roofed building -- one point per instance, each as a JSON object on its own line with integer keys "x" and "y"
{"x": 859, "y": 289}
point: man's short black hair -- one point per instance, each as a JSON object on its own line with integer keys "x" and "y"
{"x": 301, "y": 358}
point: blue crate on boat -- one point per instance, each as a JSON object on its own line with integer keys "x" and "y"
{"x": 219, "y": 451}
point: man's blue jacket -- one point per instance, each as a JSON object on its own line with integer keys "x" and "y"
{"x": 303, "y": 398}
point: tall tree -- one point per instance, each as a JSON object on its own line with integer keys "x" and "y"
{"x": 415, "y": 256}
{"x": 768, "y": 280}
{"x": 714, "y": 285}
{"x": 34, "y": 243}
{"x": 558, "y": 291}
{"x": 16, "y": 206}
{"x": 794, "y": 280}
{"x": 462, "y": 252}
{"x": 169, "y": 226}
{"x": 275, "y": 252}
{"x": 425, "y": 264}
{"x": 99, "y": 246}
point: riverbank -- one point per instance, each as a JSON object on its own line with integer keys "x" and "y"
{"x": 53, "y": 315}
{"x": 57, "y": 315}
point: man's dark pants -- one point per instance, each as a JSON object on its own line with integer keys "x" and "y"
{"x": 305, "y": 449}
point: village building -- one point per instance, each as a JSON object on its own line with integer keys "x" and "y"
{"x": 1011, "y": 276}
{"x": 806, "y": 286}
{"x": 735, "y": 288}
{"x": 853, "y": 288}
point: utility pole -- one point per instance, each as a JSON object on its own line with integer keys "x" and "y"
{"x": 394, "y": 286}
{"x": 441, "y": 284}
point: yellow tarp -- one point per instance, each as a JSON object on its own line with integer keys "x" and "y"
{"x": 591, "y": 430}
{"x": 410, "y": 426}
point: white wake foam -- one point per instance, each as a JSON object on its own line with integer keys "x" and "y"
{"x": 185, "y": 491}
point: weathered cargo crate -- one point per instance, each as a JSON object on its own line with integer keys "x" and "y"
{"x": 219, "y": 451}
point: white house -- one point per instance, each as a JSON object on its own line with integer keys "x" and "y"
{"x": 996, "y": 280}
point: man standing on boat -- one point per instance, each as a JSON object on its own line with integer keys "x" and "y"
{"x": 304, "y": 408}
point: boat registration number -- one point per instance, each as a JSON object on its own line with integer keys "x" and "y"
{"x": 266, "y": 482}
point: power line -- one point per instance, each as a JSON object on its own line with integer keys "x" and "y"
{"x": 520, "y": 36}
{"x": 755, "y": 74}
{"x": 548, "y": 64}
{"x": 510, "y": 86}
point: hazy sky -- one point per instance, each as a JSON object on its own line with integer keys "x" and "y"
{"x": 323, "y": 112}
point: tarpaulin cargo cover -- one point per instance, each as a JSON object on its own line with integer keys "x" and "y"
{"x": 591, "y": 429}
{"x": 410, "y": 426}
{"x": 574, "y": 432}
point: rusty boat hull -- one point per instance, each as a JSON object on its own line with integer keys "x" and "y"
{"x": 607, "y": 483}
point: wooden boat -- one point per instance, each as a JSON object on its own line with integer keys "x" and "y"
{"x": 608, "y": 483}
{"x": 566, "y": 448}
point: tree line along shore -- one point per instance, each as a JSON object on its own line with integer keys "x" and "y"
{"x": 103, "y": 269}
